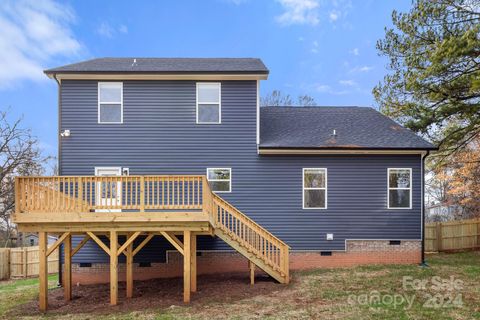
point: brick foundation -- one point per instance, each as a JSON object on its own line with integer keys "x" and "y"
{"x": 359, "y": 252}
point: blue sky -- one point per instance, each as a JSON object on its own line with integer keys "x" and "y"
{"x": 325, "y": 49}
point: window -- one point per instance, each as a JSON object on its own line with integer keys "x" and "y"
{"x": 399, "y": 188}
{"x": 314, "y": 188}
{"x": 208, "y": 103}
{"x": 220, "y": 179}
{"x": 110, "y": 102}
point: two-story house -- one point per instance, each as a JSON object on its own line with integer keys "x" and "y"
{"x": 164, "y": 158}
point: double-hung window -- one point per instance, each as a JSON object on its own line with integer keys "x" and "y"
{"x": 209, "y": 103}
{"x": 220, "y": 179}
{"x": 314, "y": 188}
{"x": 110, "y": 102}
{"x": 399, "y": 188}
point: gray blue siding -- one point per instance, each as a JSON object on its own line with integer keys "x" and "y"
{"x": 159, "y": 136}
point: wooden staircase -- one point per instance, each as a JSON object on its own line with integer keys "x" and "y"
{"x": 248, "y": 238}
{"x": 252, "y": 241}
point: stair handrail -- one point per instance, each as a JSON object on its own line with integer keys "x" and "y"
{"x": 279, "y": 261}
{"x": 250, "y": 220}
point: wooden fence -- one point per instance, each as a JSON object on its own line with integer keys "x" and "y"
{"x": 23, "y": 262}
{"x": 452, "y": 235}
{"x": 4, "y": 264}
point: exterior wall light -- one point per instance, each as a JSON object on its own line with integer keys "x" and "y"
{"x": 65, "y": 133}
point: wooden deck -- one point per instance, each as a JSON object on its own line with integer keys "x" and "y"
{"x": 133, "y": 206}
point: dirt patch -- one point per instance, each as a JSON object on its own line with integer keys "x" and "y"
{"x": 152, "y": 295}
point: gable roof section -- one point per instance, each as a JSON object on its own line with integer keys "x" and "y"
{"x": 165, "y": 66}
{"x": 357, "y": 128}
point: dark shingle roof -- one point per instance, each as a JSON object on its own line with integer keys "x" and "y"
{"x": 165, "y": 65}
{"x": 312, "y": 128}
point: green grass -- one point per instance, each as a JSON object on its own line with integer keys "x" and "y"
{"x": 16, "y": 292}
{"x": 314, "y": 294}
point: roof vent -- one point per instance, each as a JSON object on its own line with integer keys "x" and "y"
{"x": 334, "y": 133}
{"x": 134, "y": 63}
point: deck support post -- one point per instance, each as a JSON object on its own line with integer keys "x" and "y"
{"x": 252, "y": 272}
{"x": 193, "y": 261}
{"x": 113, "y": 268}
{"x": 43, "y": 271}
{"x": 67, "y": 268}
{"x": 187, "y": 239}
{"x": 129, "y": 268}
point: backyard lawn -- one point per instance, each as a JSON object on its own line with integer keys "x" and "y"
{"x": 448, "y": 289}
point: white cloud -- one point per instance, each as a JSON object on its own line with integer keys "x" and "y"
{"x": 106, "y": 30}
{"x": 314, "y": 47}
{"x": 355, "y": 52}
{"x": 328, "y": 89}
{"x": 236, "y": 2}
{"x": 361, "y": 69}
{"x": 123, "y": 29}
{"x": 348, "y": 83}
{"x": 333, "y": 15}
{"x": 33, "y": 32}
{"x": 323, "y": 88}
{"x": 299, "y": 12}
{"x": 311, "y": 12}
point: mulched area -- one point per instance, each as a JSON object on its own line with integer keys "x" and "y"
{"x": 152, "y": 294}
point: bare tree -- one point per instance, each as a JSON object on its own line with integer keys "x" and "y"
{"x": 306, "y": 101}
{"x": 277, "y": 98}
{"x": 436, "y": 186}
{"x": 19, "y": 155}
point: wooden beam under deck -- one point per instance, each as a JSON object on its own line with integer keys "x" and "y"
{"x": 43, "y": 271}
{"x": 174, "y": 241}
{"x": 110, "y": 217}
{"x": 187, "y": 240}
{"x": 129, "y": 265}
{"x": 67, "y": 268}
{"x": 193, "y": 263}
{"x": 57, "y": 243}
{"x": 113, "y": 268}
{"x": 80, "y": 245}
{"x": 121, "y": 228}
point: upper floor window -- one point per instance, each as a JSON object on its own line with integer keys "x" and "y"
{"x": 314, "y": 188}
{"x": 110, "y": 102}
{"x": 399, "y": 188}
{"x": 220, "y": 179}
{"x": 209, "y": 103}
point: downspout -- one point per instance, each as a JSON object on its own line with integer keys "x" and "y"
{"x": 423, "y": 264}
{"x": 59, "y": 144}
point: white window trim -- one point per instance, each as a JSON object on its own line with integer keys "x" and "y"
{"x": 229, "y": 180}
{"x": 219, "y": 102}
{"x": 119, "y": 169}
{"x": 310, "y": 188}
{"x": 99, "y": 102}
{"x": 393, "y": 188}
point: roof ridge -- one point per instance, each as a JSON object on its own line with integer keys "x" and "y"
{"x": 233, "y": 65}
{"x": 318, "y": 107}
{"x": 166, "y": 58}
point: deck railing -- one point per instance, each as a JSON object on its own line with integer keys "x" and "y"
{"x": 256, "y": 239}
{"x": 72, "y": 194}
{"x": 108, "y": 193}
